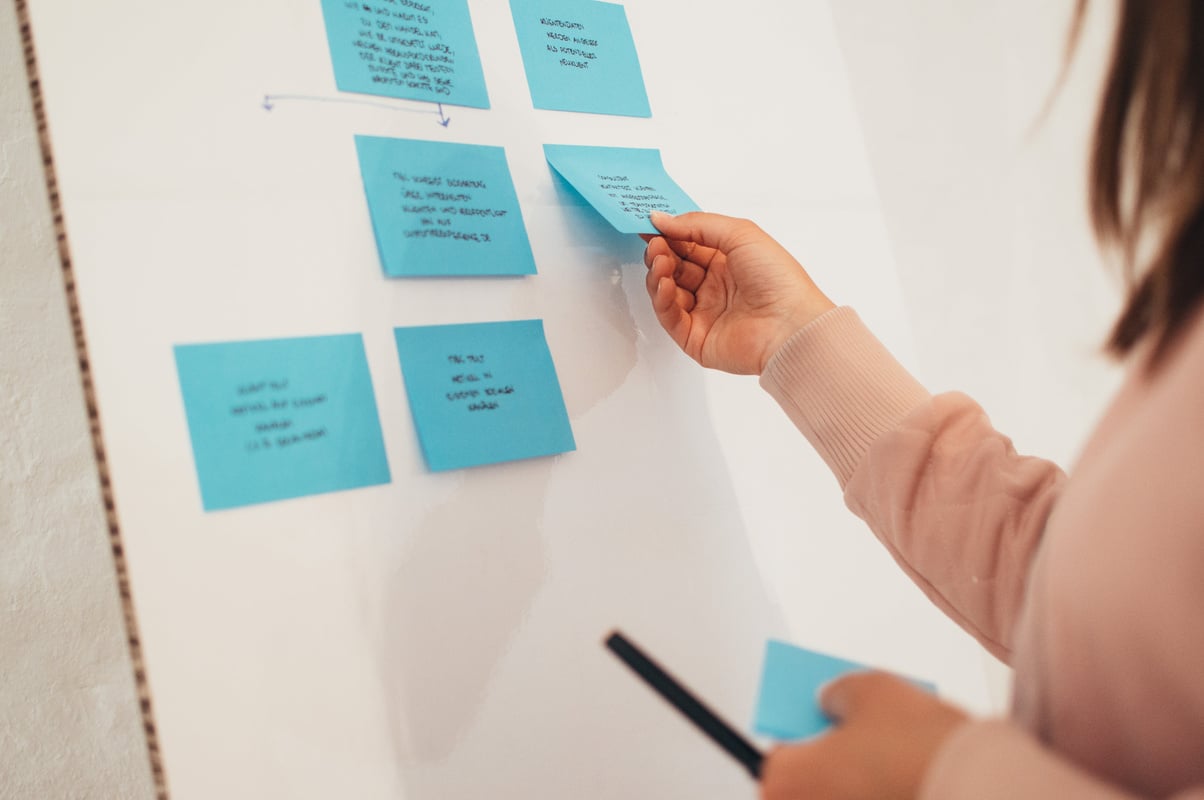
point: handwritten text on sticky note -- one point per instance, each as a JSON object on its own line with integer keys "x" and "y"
{"x": 624, "y": 184}
{"x": 580, "y": 56}
{"x": 402, "y": 48}
{"x": 443, "y": 209}
{"x": 280, "y": 418}
{"x": 483, "y": 393}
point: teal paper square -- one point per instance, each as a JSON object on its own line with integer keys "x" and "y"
{"x": 443, "y": 209}
{"x": 624, "y": 184}
{"x": 791, "y": 677}
{"x": 579, "y": 56}
{"x": 483, "y": 393}
{"x": 280, "y": 418}
{"x": 410, "y": 50}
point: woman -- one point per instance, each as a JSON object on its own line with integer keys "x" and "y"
{"x": 1090, "y": 586}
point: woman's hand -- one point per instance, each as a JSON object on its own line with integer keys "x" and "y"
{"x": 886, "y": 735}
{"x": 725, "y": 291}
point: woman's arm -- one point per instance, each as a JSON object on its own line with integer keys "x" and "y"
{"x": 945, "y": 492}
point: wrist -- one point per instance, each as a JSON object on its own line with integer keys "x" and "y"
{"x": 791, "y": 324}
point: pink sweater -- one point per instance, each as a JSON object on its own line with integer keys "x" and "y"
{"x": 1090, "y": 586}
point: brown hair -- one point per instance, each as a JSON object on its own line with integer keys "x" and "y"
{"x": 1146, "y": 185}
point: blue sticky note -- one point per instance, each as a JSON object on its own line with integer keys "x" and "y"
{"x": 483, "y": 393}
{"x": 624, "y": 184}
{"x": 443, "y": 209}
{"x": 787, "y": 703}
{"x": 411, "y": 50}
{"x": 579, "y": 56}
{"x": 280, "y": 418}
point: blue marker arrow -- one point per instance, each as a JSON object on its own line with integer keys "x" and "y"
{"x": 270, "y": 101}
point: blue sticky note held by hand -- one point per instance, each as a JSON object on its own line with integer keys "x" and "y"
{"x": 579, "y": 56}
{"x": 410, "y": 50}
{"x": 443, "y": 209}
{"x": 624, "y": 184}
{"x": 280, "y": 418}
{"x": 791, "y": 677}
{"x": 483, "y": 393}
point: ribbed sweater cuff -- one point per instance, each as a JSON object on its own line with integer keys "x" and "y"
{"x": 841, "y": 388}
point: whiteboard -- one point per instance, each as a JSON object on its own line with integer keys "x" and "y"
{"x": 440, "y": 636}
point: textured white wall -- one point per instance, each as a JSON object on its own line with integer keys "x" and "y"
{"x": 69, "y": 721}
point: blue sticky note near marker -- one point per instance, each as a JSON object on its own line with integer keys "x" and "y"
{"x": 483, "y": 393}
{"x": 280, "y": 418}
{"x": 443, "y": 209}
{"x": 409, "y": 50}
{"x": 624, "y": 184}
{"x": 579, "y": 56}
{"x": 787, "y": 704}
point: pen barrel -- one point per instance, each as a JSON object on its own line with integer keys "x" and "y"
{"x": 687, "y": 703}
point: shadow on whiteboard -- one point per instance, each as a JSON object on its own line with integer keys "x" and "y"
{"x": 490, "y": 606}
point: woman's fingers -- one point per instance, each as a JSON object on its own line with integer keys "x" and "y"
{"x": 671, "y": 311}
{"x": 661, "y": 266}
{"x": 699, "y": 258}
{"x": 687, "y": 272}
{"x": 713, "y": 231}
{"x": 848, "y": 696}
{"x": 685, "y": 299}
{"x": 683, "y": 280}
{"x": 656, "y": 247}
{"x": 685, "y": 276}
{"x": 693, "y": 252}
{"x": 689, "y": 276}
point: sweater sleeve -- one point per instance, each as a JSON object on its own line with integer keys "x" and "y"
{"x": 944, "y": 492}
{"x": 995, "y": 760}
